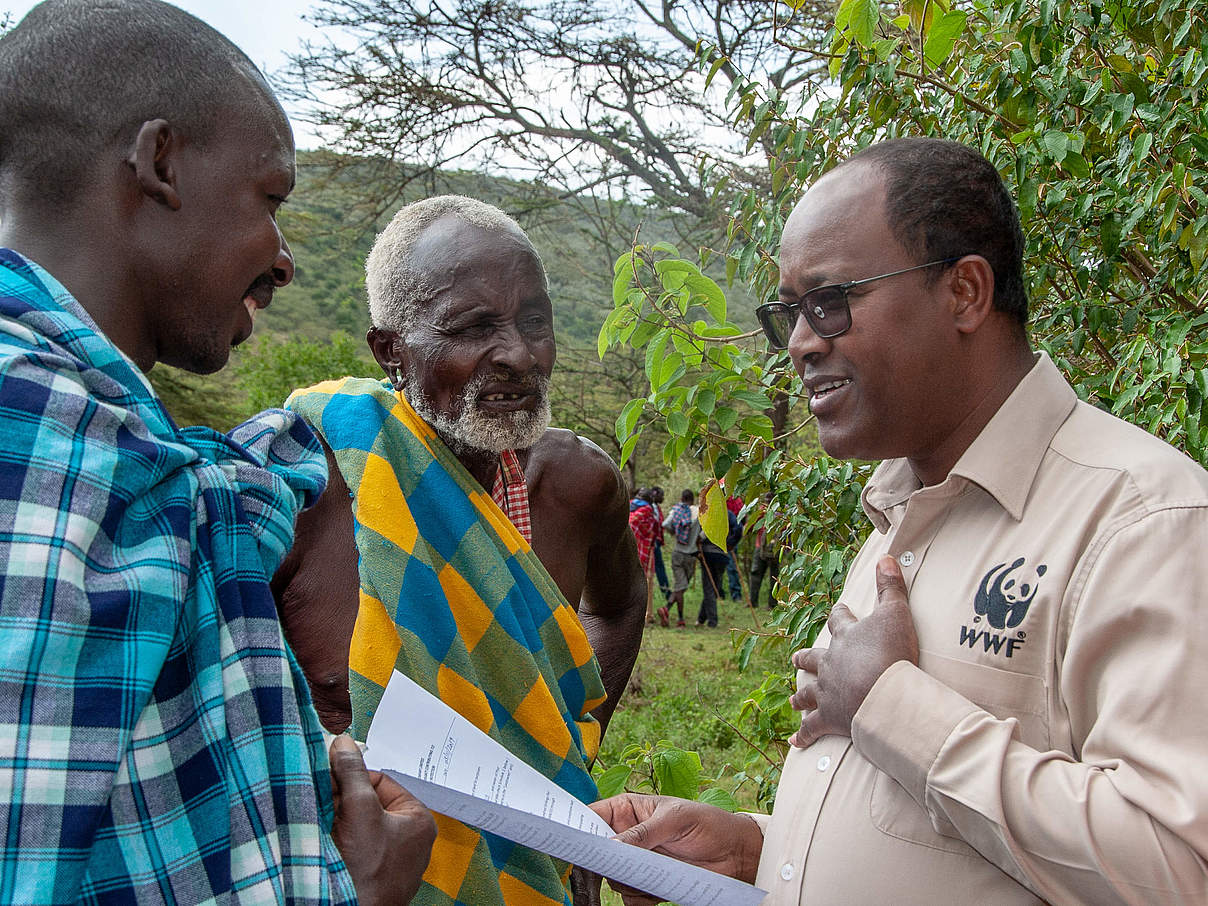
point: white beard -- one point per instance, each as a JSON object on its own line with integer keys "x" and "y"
{"x": 473, "y": 430}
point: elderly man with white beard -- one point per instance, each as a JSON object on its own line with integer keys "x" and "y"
{"x": 475, "y": 531}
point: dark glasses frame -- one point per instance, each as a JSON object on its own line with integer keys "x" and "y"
{"x": 828, "y": 313}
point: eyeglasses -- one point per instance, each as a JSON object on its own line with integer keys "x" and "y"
{"x": 825, "y": 308}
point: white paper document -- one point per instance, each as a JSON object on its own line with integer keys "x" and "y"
{"x": 456, "y": 769}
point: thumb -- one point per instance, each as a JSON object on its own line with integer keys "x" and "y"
{"x": 349, "y": 777}
{"x": 891, "y": 587}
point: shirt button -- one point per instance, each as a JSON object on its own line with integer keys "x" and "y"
{"x": 823, "y": 762}
{"x": 906, "y": 558}
{"x": 786, "y": 871}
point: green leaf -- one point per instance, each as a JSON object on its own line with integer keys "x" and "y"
{"x": 716, "y": 796}
{"x": 1141, "y": 147}
{"x": 758, "y": 426}
{"x": 1109, "y": 236}
{"x": 942, "y": 35}
{"x": 620, "y": 286}
{"x": 629, "y": 418}
{"x": 676, "y": 772}
{"x": 611, "y": 782}
{"x": 1057, "y": 143}
{"x": 745, "y": 650}
{"x": 627, "y": 449}
{"x": 726, "y": 418}
{"x": 668, "y": 368}
{"x": 865, "y": 15}
{"x": 706, "y": 400}
{"x": 674, "y": 272}
{"x": 624, "y": 263}
{"x": 752, "y": 398}
{"x": 654, "y": 353}
{"x": 1076, "y": 166}
{"x": 607, "y": 332}
{"x": 714, "y": 300}
{"x": 677, "y": 423}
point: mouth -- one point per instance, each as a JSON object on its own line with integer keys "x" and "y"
{"x": 258, "y": 296}
{"x": 508, "y": 399}
{"x": 821, "y": 392}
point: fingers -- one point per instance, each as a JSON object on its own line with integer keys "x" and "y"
{"x": 891, "y": 587}
{"x": 640, "y": 835}
{"x": 806, "y": 659}
{"x": 623, "y": 811}
{"x": 805, "y": 698}
{"x": 811, "y": 730}
{"x": 649, "y": 821}
{"x": 840, "y": 616}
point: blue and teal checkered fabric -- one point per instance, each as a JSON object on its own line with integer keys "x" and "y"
{"x": 157, "y": 742}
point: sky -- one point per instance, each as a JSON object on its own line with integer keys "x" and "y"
{"x": 266, "y": 30}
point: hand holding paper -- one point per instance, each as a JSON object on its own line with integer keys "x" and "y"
{"x": 693, "y": 832}
{"x": 455, "y": 769}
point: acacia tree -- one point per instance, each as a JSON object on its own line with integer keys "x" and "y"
{"x": 1093, "y": 111}
{"x": 597, "y": 100}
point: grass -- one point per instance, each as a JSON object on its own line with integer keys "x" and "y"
{"x": 686, "y": 688}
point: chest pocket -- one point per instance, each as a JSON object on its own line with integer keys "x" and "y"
{"x": 1000, "y": 692}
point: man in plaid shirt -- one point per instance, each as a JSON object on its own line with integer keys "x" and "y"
{"x": 159, "y": 744}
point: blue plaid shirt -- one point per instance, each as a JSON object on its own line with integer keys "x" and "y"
{"x": 156, "y": 737}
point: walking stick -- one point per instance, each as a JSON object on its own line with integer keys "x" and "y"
{"x": 704, "y": 568}
{"x": 650, "y": 588}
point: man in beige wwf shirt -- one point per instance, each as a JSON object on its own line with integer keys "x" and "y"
{"x": 1032, "y": 725}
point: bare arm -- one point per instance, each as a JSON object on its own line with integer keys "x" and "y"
{"x": 613, "y": 609}
{"x": 316, "y": 590}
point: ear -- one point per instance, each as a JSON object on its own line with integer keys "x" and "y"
{"x": 971, "y": 284}
{"x": 388, "y": 350}
{"x": 153, "y": 159}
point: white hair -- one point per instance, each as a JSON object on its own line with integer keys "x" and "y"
{"x": 396, "y": 285}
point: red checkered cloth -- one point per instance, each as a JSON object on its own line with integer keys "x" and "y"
{"x": 511, "y": 493}
{"x": 646, "y": 528}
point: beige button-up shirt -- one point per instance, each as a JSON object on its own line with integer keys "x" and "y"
{"x": 1052, "y": 744}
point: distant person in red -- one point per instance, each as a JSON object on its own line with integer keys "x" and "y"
{"x": 647, "y": 530}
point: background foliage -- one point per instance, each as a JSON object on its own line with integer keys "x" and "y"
{"x": 1094, "y": 114}
{"x": 315, "y": 327}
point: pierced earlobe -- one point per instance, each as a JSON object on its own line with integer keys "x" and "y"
{"x": 398, "y": 378}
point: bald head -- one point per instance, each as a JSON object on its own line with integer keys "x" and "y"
{"x": 398, "y": 276}
{"x": 79, "y": 77}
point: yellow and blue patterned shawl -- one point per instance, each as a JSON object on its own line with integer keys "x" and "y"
{"x": 453, "y": 596}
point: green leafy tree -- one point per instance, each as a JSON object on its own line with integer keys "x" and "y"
{"x": 1094, "y": 113}
{"x": 274, "y": 369}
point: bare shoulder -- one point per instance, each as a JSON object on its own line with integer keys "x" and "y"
{"x": 575, "y": 469}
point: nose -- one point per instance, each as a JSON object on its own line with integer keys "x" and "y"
{"x": 512, "y": 351}
{"x": 283, "y": 267}
{"x": 805, "y": 344}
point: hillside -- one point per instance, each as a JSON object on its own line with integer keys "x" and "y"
{"x": 331, "y": 220}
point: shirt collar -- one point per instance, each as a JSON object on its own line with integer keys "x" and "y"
{"x": 1003, "y": 459}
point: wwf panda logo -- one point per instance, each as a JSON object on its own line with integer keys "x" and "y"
{"x": 1004, "y": 596}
